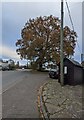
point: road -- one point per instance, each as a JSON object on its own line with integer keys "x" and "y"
{"x": 10, "y": 78}
{"x": 19, "y": 98}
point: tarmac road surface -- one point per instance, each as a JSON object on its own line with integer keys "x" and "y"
{"x": 19, "y": 98}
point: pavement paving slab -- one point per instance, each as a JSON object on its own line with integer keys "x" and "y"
{"x": 62, "y": 101}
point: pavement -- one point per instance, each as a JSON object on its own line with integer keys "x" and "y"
{"x": 56, "y": 101}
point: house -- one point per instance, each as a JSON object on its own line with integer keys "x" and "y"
{"x": 5, "y": 66}
{"x": 73, "y": 72}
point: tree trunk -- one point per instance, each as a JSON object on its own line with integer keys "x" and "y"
{"x": 40, "y": 66}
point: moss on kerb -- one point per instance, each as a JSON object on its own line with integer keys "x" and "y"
{"x": 42, "y": 109}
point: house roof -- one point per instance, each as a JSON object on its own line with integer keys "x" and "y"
{"x": 74, "y": 62}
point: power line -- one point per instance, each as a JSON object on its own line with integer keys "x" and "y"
{"x": 71, "y": 22}
{"x": 69, "y": 14}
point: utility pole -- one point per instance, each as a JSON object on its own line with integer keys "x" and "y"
{"x": 61, "y": 47}
{"x": 82, "y": 58}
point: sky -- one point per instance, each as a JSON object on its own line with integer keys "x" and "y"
{"x": 83, "y": 29}
{"x": 13, "y": 16}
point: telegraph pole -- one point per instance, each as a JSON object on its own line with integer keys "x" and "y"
{"x": 61, "y": 47}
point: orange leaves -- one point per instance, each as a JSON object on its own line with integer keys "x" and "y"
{"x": 41, "y": 38}
{"x": 18, "y": 42}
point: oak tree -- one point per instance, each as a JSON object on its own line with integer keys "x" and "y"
{"x": 40, "y": 40}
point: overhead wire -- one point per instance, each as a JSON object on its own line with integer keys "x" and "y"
{"x": 69, "y": 14}
{"x": 71, "y": 22}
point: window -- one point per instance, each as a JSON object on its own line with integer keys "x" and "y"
{"x": 65, "y": 70}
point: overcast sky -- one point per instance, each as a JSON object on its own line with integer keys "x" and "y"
{"x": 15, "y": 15}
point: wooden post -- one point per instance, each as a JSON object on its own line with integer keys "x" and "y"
{"x": 61, "y": 47}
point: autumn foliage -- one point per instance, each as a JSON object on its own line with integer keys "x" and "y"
{"x": 40, "y": 40}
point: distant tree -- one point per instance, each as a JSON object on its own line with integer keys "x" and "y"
{"x": 27, "y": 66}
{"x": 40, "y": 40}
{"x": 11, "y": 64}
{"x": 17, "y": 65}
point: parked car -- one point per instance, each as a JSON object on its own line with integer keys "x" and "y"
{"x": 53, "y": 73}
{"x": 5, "y": 68}
{"x": 23, "y": 68}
